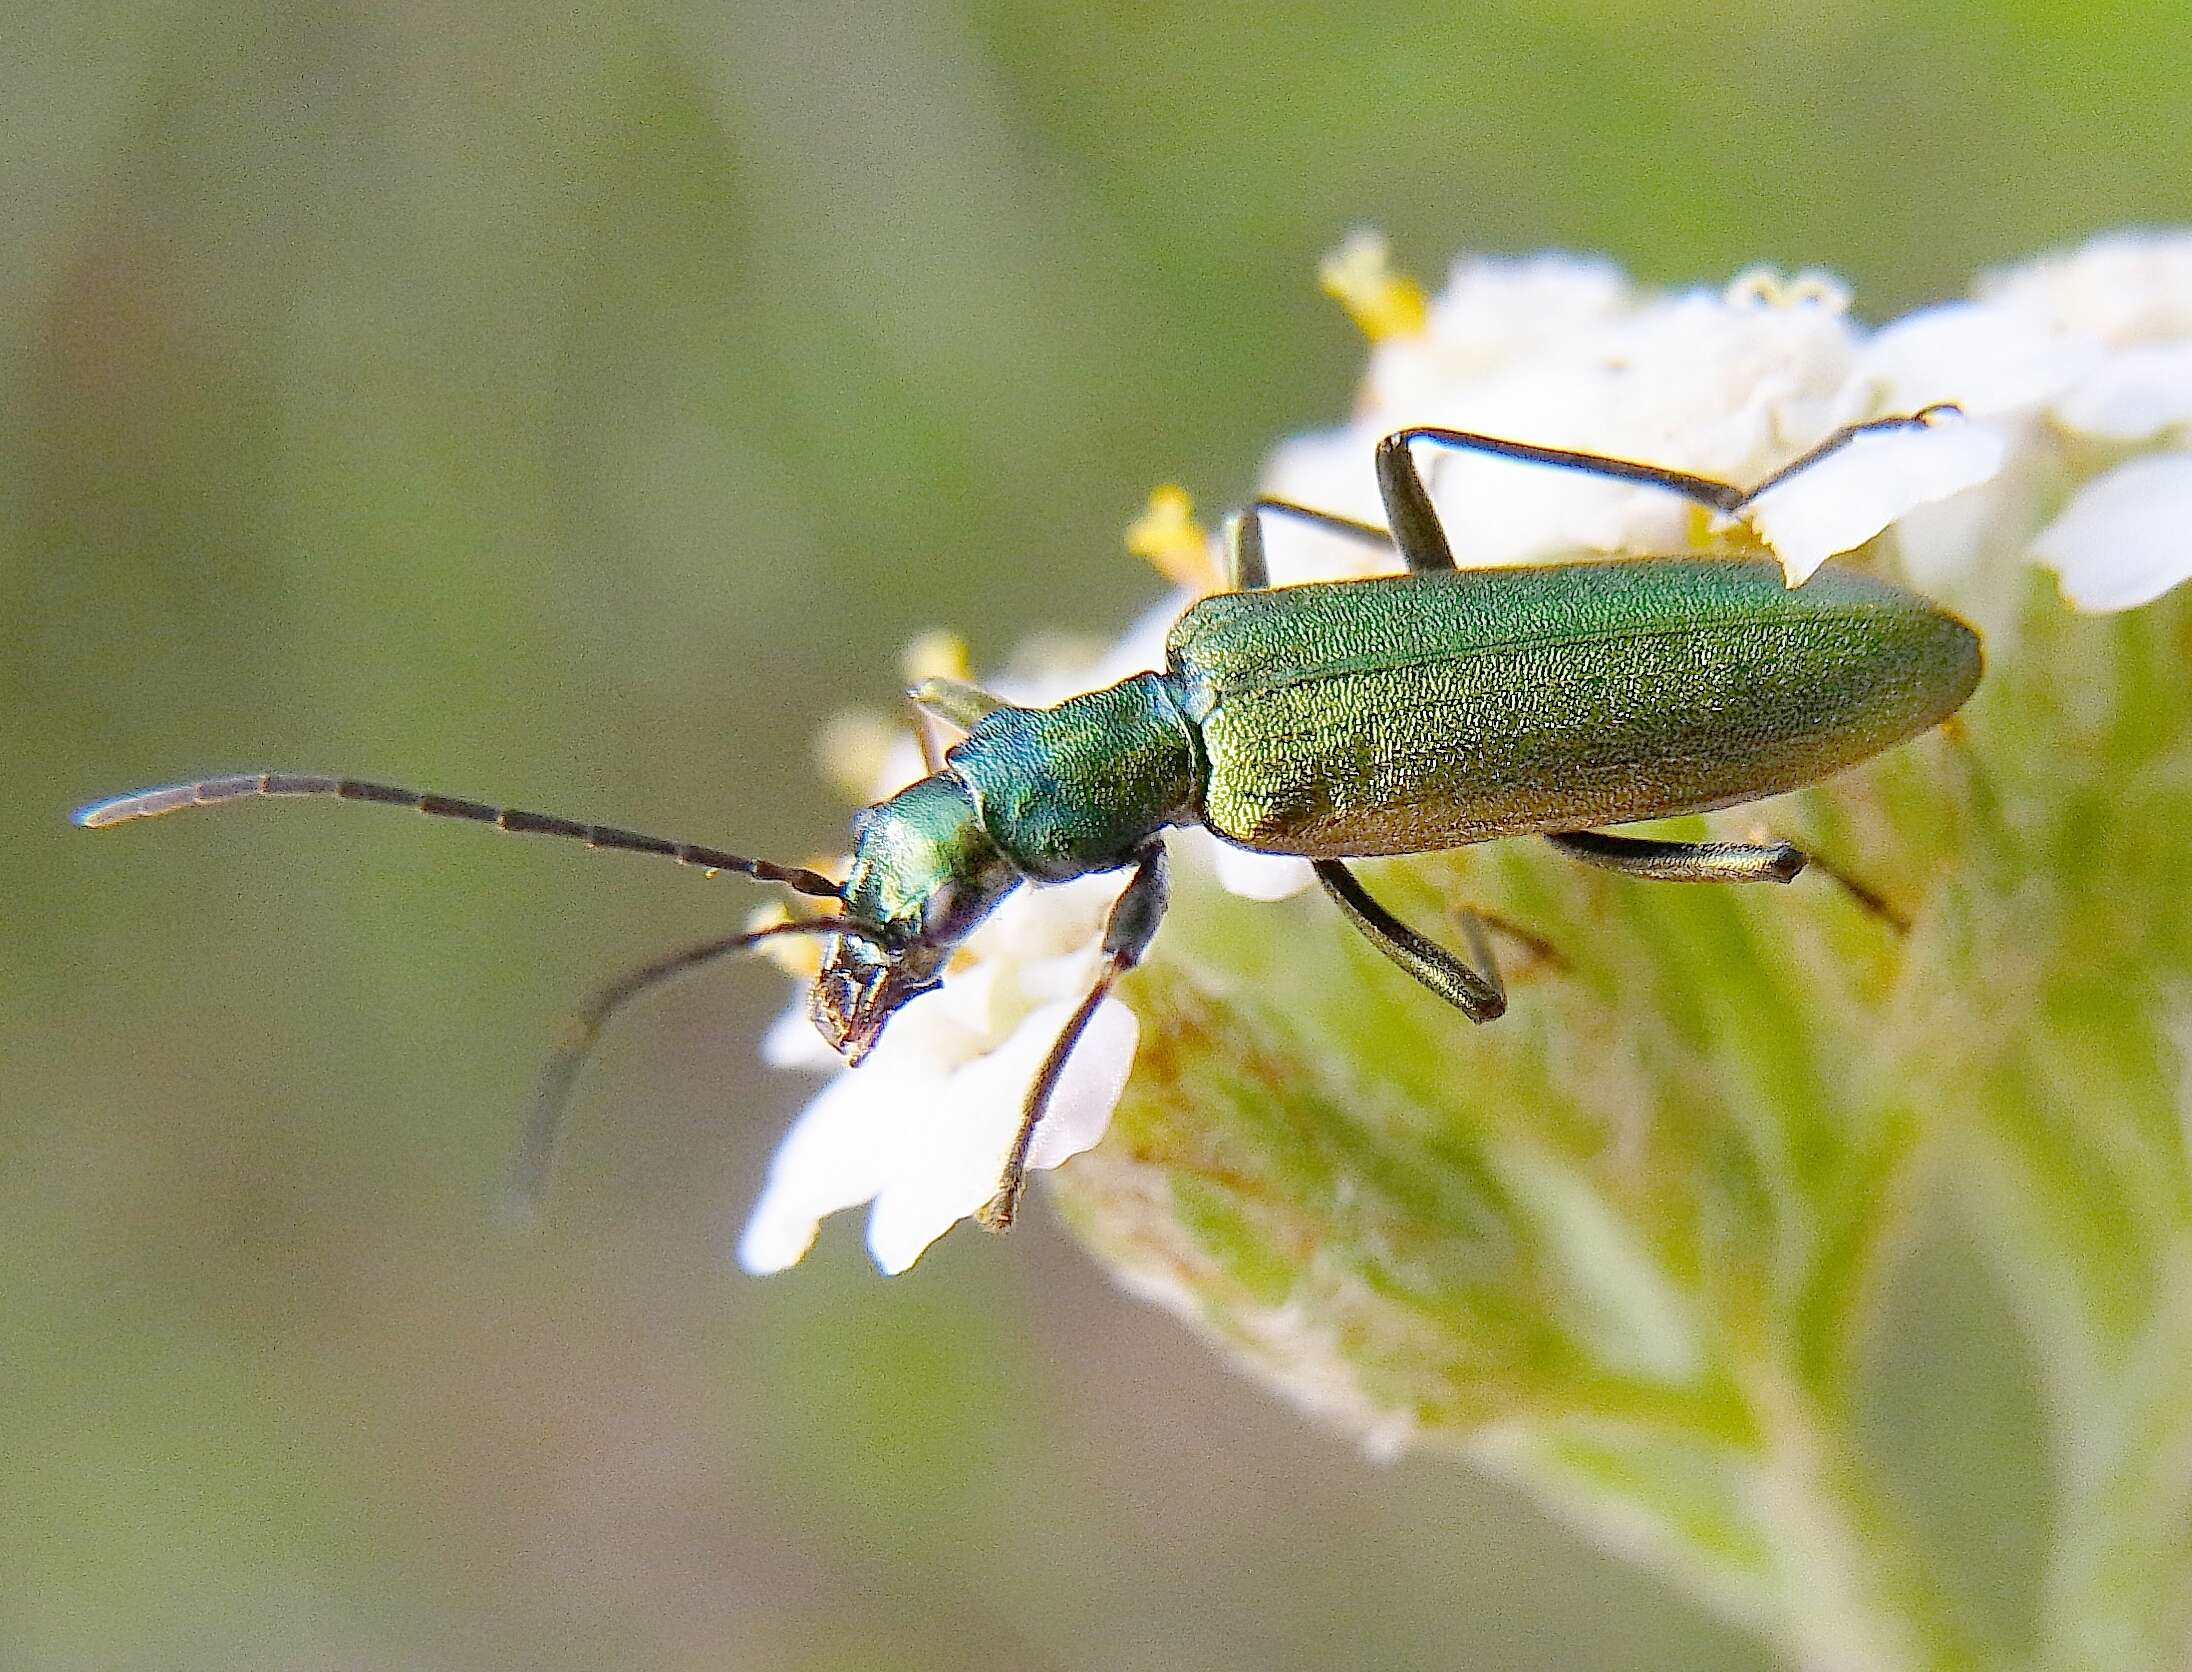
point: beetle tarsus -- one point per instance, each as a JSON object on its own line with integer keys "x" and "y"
{"x": 1479, "y": 995}
{"x": 1657, "y": 861}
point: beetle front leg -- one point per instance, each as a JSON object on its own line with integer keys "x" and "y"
{"x": 1658, "y": 861}
{"x": 1129, "y": 929}
{"x": 954, "y": 703}
{"x": 1480, "y": 997}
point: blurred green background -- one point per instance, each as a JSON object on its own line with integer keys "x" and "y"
{"x": 575, "y": 405}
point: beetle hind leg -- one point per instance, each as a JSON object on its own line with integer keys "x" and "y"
{"x": 1478, "y": 993}
{"x": 1422, "y": 541}
{"x": 1659, "y": 861}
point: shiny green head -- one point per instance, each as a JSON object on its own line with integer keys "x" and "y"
{"x": 924, "y": 873}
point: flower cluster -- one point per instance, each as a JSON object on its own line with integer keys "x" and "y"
{"x": 2072, "y": 378}
{"x": 2074, "y": 374}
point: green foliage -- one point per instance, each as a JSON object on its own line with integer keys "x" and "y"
{"x": 1635, "y": 1245}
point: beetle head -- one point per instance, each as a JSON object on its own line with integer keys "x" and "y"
{"x": 924, "y": 873}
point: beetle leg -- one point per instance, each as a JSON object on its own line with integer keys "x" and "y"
{"x": 1848, "y": 433}
{"x": 1535, "y": 948}
{"x": 1415, "y": 524}
{"x": 1480, "y": 997}
{"x": 1422, "y": 541}
{"x": 1132, "y": 925}
{"x": 1245, "y": 568}
{"x": 954, "y": 703}
{"x": 1682, "y": 861}
{"x": 1868, "y": 899}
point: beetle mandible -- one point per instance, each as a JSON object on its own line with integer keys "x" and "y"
{"x": 1331, "y": 720}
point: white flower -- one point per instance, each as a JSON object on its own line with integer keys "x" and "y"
{"x": 922, "y": 1127}
{"x": 1843, "y": 500}
{"x": 2095, "y": 343}
{"x": 2057, "y": 368}
{"x": 1567, "y": 354}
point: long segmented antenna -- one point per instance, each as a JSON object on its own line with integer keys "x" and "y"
{"x": 536, "y": 1157}
{"x": 212, "y": 792}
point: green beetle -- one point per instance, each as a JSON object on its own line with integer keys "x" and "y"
{"x": 1334, "y": 720}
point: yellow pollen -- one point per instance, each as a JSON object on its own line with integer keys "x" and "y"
{"x": 936, "y": 654}
{"x": 1167, "y": 535}
{"x": 1359, "y": 276}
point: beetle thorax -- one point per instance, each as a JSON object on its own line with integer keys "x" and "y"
{"x": 1080, "y": 787}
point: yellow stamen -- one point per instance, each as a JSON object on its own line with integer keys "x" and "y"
{"x": 1756, "y": 286}
{"x": 1360, "y": 277}
{"x": 1764, "y": 287}
{"x": 1706, "y": 533}
{"x": 1824, "y": 291}
{"x": 936, "y": 654}
{"x": 1168, "y": 536}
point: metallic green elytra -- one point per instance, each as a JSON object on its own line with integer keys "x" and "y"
{"x": 1402, "y": 714}
{"x": 1473, "y": 704}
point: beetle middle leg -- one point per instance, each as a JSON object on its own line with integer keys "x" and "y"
{"x": 1639, "y": 856}
{"x": 1128, "y": 930}
{"x": 1480, "y": 996}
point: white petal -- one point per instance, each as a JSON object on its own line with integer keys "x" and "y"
{"x": 956, "y": 1023}
{"x": 1089, "y": 1090}
{"x": 835, "y": 1156}
{"x": 2127, "y": 537}
{"x": 2134, "y": 394}
{"x": 1986, "y": 357}
{"x": 1143, "y": 644}
{"x": 1939, "y": 542}
{"x": 1259, "y": 876}
{"x": 792, "y": 1040}
{"x": 1851, "y": 495}
{"x": 1326, "y": 470}
{"x": 2123, "y": 287}
{"x": 949, "y": 1168}
{"x": 1047, "y": 921}
{"x": 1493, "y": 313}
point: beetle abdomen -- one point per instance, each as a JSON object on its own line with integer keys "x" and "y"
{"x": 1411, "y": 713}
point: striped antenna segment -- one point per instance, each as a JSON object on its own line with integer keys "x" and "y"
{"x": 212, "y": 792}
